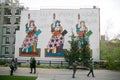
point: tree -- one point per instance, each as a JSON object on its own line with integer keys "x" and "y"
{"x": 76, "y": 54}
{"x": 72, "y": 54}
{"x": 111, "y": 53}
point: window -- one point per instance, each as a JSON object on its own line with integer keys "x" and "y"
{"x": 17, "y": 12}
{"x": 6, "y": 30}
{"x": 17, "y": 28}
{"x": 17, "y": 20}
{"x": 0, "y": 11}
{"x": 7, "y": 11}
{"x": 5, "y": 50}
{"x": 6, "y": 20}
{"x": 13, "y": 40}
{"x": 13, "y": 50}
{"x": 5, "y": 40}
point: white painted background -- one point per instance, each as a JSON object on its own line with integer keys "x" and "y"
{"x": 69, "y": 18}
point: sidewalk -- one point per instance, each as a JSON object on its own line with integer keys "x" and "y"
{"x": 63, "y": 74}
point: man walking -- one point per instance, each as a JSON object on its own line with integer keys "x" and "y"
{"x": 91, "y": 68}
{"x": 75, "y": 64}
{"x": 12, "y": 66}
{"x": 34, "y": 65}
{"x": 31, "y": 65}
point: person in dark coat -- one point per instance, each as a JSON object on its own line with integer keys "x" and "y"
{"x": 91, "y": 68}
{"x": 15, "y": 64}
{"x": 12, "y": 67}
{"x": 34, "y": 65}
{"x": 75, "y": 64}
{"x": 31, "y": 64}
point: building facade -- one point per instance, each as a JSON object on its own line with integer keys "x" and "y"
{"x": 44, "y": 33}
{"x": 10, "y": 11}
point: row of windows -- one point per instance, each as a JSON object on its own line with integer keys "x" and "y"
{"x": 6, "y": 40}
{"x": 8, "y": 11}
{"x": 6, "y": 29}
{"x": 6, "y": 49}
{"x": 7, "y": 20}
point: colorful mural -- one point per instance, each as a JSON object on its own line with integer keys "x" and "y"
{"x": 29, "y": 46}
{"x": 56, "y": 43}
{"x": 83, "y": 34}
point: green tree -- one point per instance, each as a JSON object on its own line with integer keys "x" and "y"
{"x": 76, "y": 54}
{"x": 72, "y": 54}
{"x": 111, "y": 53}
{"x": 85, "y": 53}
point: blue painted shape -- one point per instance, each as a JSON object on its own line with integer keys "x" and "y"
{"x": 86, "y": 39}
{"x": 27, "y": 29}
{"x": 38, "y": 32}
{"x": 77, "y": 29}
{"x": 61, "y": 46}
{"x": 24, "y": 49}
{"x": 30, "y": 48}
{"x": 58, "y": 54}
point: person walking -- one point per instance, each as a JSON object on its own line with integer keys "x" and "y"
{"x": 15, "y": 64}
{"x": 12, "y": 66}
{"x": 31, "y": 64}
{"x": 75, "y": 64}
{"x": 34, "y": 65}
{"x": 91, "y": 68}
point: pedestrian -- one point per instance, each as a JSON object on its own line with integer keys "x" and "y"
{"x": 74, "y": 68}
{"x": 91, "y": 65}
{"x": 31, "y": 64}
{"x": 34, "y": 65}
{"x": 15, "y": 64}
{"x": 11, "y": 66}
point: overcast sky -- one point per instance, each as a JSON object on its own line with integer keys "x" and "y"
{"x": 109, "y": 11}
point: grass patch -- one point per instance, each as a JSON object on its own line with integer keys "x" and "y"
{"x": 5, "y": 77}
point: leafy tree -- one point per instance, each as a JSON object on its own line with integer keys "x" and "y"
{"x": 76, "y": 54}
{"x": 85, "y": 53}
{"x": 111, "y": 53}
{"x": 72, "y": 54}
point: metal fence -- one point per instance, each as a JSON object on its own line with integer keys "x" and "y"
{"x": 98, "y": 64}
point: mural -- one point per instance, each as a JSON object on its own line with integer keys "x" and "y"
{"x": 56, "y": 43}
{"x": 83, "y": 35}
{"x": 29, "y": 46}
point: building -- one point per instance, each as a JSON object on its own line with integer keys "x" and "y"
{"x": 40, "y": 25}
{"x": 10, "y": 11}
{"x": 102, "y": 37}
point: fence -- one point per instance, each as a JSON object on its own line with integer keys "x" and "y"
{"x": 98, "y": 64}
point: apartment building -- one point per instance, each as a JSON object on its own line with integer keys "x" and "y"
{"x": 10, "y": 11}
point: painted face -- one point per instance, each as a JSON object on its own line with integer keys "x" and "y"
{"x": 31, "y": 26}
{"x": 57, "y": 24}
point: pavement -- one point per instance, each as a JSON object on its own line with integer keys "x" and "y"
{"x": 63, "y": 74}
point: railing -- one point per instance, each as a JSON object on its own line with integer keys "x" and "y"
{"x": 97, "y": 64}
{"x": 45, "y": 62}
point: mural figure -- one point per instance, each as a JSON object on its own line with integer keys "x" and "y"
{"x": 30, "y": 42}
{"x": 56, "y": 43}
{"x": 82, "y": 32}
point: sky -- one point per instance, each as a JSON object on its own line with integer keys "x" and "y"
{"x": 109, "y": 11}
